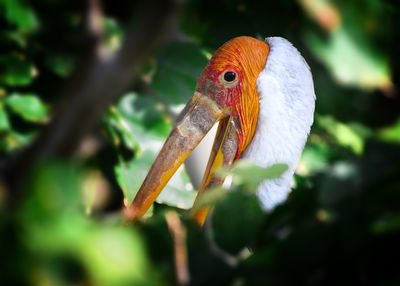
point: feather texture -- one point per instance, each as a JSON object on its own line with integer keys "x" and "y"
{"x": 287, "y": 99}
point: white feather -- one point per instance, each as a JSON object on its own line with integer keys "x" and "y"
{"x": 287, "y": 99}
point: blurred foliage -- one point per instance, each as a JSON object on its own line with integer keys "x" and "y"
{"x": 341, "y": 223}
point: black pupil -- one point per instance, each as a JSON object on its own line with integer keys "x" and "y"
{"x": 229, "y": 76}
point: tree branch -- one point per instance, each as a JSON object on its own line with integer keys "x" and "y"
{"x": 91, "y": 90}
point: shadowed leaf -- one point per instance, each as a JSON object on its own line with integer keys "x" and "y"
{"x": 28, "y": 106}
{"x": 246, "y": 173}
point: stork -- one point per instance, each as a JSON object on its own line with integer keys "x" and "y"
{"x": 262, "y": 95}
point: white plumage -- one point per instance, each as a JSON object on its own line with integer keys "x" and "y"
{"x": 287, "y": 100}
{"x": 286, "y": 108}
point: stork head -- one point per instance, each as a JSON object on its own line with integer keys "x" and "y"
{"x": 229, "y": 80}
{"x": 226, "y": 92}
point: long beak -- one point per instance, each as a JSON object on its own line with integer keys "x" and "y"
{"x": 198, "y": 117}
{"x": 221, "y": 155}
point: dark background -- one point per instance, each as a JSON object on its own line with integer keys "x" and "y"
{"x": 89, "y": 91}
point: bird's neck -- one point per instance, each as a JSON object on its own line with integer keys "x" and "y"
{"x": 286, "y": 113}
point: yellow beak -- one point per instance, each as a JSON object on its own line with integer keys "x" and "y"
{"x": 195, "y": 121}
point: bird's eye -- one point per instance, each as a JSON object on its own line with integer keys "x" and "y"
{"x": 229, "y": 76}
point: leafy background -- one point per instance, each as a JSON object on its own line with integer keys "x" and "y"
{"x": 341, "y": 224}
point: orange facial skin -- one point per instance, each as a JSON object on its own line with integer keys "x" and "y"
{"x": 232, "y": 101}
{"x": 246, "y": 57}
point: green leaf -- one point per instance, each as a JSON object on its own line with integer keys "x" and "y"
{"x": 57, "y": 228}
{"x": 236, "y": 221}
{"x": 178, "y": 68}
{"x": 13, "y": 140}
{"x": 345, "y": 134}
{"x": 387, "y": 225}
{"x": 130, "y": 176}
{"x": 54, "y": 188}
{"x": 120, "y": 130}
{"x": 16, "y": 12}
{"x": 141, "y": 126}
{"x": 115, "y": 256}
{"x": 246, "y": 173}
{"x": 17, "y": 37}
{"x": 351, "y": 61}
{"x": 210, "y": 198}
{"x": 28, "y": 106}
{"x": 113, "y": 34}
{"x": 61, "y": 64}
{"x": 144, "y": 112}
{"x": 17, "y": 70}
{"x": 4, "y": 122}
{"x": 391, "y": 133}
{"x": 315, "y": 158}
{"x": 179, "y": 191}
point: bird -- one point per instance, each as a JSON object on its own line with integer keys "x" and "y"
{"x": 261, "y": 94}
